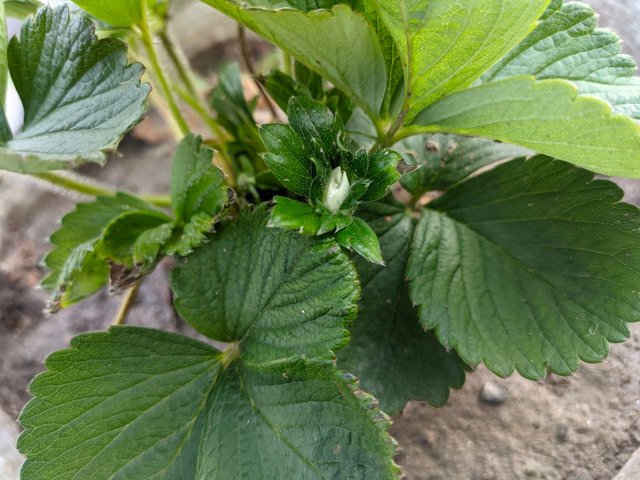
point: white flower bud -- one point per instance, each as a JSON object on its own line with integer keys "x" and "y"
{"x": 337, "y": 191}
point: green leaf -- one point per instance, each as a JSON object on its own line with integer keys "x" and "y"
{"x": 21, "y": 8}
{"x": 282, "y": 88}
{"x": 288, "y": 158}
{"x": 135, "y": 238}
{"x": 134, "y": 403}
{"x": 276, "y": 292}
{"x": 191, "y": 236}
{"x": 361, "y": 238}
{"x": 546, "y": 116}
{"x": 445, "y": 46}
{"x": 79, "y": 95}
{"x": 294, "y": 215}
{"x": 380, "y": 169}
{"x": 530, "y": 266}
{"x": 339, "y": 44}
{"x": 118, "y": 13}
{"x": 318, "y": 128}
{"x": 394, "y": 358}
{"x": 196, "y": 184}
{"x": 76, "y": 271}
{"x": 566, "y": 44}
{"x": 443, "y": 160}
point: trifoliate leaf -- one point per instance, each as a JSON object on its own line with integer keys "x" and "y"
{"x": 276, "y": 292}
{"x": 361, "y": 238}
{"x": 295, "y": 215}
{"x": 79, "y": 95}
{"x": 443, "y": 160}
{"x": 394, "y": 358}
{"x": 547, "y": 116}
{"x": 445, "y": 46}
{"x": 76, "y": 270}
{"x": 339, "y": 44}
{"x": 134, "y": 403}
{"x": 530, "y": 266}
{"x": 566, "y": 44}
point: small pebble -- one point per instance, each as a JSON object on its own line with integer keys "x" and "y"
{"x": 492, "y": 394}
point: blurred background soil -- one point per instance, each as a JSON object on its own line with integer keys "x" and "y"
{"x": 584, "y": 427}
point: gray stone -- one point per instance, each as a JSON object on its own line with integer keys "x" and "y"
{"x": 492, "y": 394}
{"x": 631, "y": 471}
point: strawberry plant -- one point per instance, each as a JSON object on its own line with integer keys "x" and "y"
{"x": 428, "y": 205}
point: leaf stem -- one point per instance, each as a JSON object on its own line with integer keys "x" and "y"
{"x": 127, "y": 302}
{"x": 85, "y": 186}
{"x": 147, "y": 41}
{"x": 246, "y": 55}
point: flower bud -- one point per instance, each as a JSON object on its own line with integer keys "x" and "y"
{"x": 337, "y": 191}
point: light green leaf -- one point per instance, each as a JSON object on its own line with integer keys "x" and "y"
{"x": 79, "y": 95}
{"x": 530, "y": 266}
{"x": 21, "y": 8}
{"x": 443, "y": 160}
{"x": 118, "y": 13}
{"x": 278, "y": 293}
{"x": 134, "y": 403}
{"x": 392, "y": 355}
{"x": 445, "y": 46}
{"x": 294, "y": 215}
{"x": 76, "y": 270}
{"x": 360, "y": 237}
{"x": 190, "y": 236}
{"x": 546, "y": 116}
{"x": 567, "y": 45}
{"x": 339, "y": 44}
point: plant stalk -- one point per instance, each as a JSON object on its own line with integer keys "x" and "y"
{"x": 86, "y": 187}
{"x": 127, "y": 302}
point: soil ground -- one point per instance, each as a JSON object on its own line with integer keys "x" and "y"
{"x": 584, "y": 427}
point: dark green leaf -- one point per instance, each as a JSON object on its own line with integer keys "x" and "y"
{"x": 380, "y": 169}
{"x": 282, "y": 88}
{"x": 361, "y": 238}
{"x": 294, "y": 215}
{"x": 566, "y": 44}
{"x": 135, "y": 403}
{"x": 532, "y": 266}
{"x": 276, "y": 292}
{"x": 191, "y": 236}
{"x": 443, "y": 160}
{"x": 394, "y": 358}
{"x": 79, "y": 94}
{"x": 318, "y": 128}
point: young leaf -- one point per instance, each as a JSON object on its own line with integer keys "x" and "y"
{"x": 76, "y": 270}
{"x": 361, "y": 238}
{"x": 276, "y": 292}
{"x": 79, "y": 95}
{"x": 339, "y": 44}
{"x": 196, "y": 184}
{"x": 532, "y": 266}
{"x": 445, "y": 46}
{"x": 566, "y": 44}
{"x": 394, "y": 358}
{"x": 443, "y": 160}
{"x": 546, "y": 116}
{"x": 140, "y": 404}
{"x": 118, "y": 13}
{"x": 294, "y": 215}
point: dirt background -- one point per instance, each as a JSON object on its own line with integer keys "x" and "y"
{"x": 584, "y": 427}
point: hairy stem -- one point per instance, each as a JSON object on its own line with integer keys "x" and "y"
{"x": 82, "y": 185}
{"x": 246, "y": 55}
{"x": 127, "y": 302}
{"x": 147, "y": 41}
